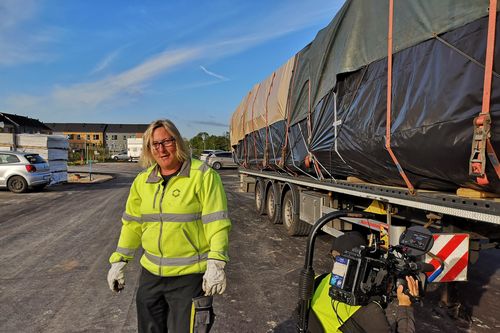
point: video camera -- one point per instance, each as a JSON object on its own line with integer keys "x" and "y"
{"x": 370, "y": 273}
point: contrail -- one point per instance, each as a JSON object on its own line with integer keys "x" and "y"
{"x": 220, "y": 77}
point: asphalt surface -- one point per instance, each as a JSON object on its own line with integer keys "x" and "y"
{"x": 55, "y": 245}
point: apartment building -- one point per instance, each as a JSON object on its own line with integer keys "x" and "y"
{"x": 111, "y": 137}
{"x": 81, "y": 135}
{"x": 117, "y": 135}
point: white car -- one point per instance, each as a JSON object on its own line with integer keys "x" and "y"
{"x": 21, "y": 170}
{"x": 121, "y": 156}
{"x": 206, "y": 153}
{"x": 221, "y": 159}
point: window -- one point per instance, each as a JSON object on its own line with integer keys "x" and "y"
{"x": 71, "y": 136}
{"x": 6, "y": 159}
{"x": 88, "y": 136}
{"x": 124, "y": 137}
{"x": 34, "y": 158}
{"x": 78, "y": 137}
{"x": 95, "y": 137}
{"x": 114, "y": 137}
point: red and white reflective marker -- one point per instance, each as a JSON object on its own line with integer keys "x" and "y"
{"x": 453, "y": 250}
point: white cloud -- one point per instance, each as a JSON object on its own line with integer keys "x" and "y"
{"x": 220, "y": 77}
{"x": 14, "y": 12}
{"x": 117, "y": 89}
{"x": 16, "y": 45}
{"x": 104, "y": 63}
{"x": 128, "y": 83}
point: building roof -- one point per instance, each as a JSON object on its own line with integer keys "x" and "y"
{"x": 16, "y": 120}
{"x": 77, "y": 127}
{"x": 108, "y": 128}
{"x": 126, "y": 128}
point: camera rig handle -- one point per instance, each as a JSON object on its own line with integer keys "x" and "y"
{"x": 306, "y": 281}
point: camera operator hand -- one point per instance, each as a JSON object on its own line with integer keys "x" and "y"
{"x": 403, "y": 298}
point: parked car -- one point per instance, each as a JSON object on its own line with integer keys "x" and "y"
{"x": 206, "y": 153}
{"x": 21, "y": 170}
{"x": 121, "y": 156}
{"x": 221, "y": 159}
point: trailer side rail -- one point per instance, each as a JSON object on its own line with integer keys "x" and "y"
{"x": 483, "y": 210}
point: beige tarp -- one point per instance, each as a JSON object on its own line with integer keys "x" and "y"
{"x": 264, "y": 105}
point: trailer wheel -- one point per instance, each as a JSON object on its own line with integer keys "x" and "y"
{"x": 260, "y": 194}
{"x": 273, "y": 208}
{"x": 293, "y": 225}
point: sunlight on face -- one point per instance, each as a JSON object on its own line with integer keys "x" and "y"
{"x": 164, "y": 151}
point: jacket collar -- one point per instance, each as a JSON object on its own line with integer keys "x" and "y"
{"x": 155, "y": 175}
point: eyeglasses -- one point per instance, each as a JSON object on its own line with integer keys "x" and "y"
{"x": 164, "y": 143}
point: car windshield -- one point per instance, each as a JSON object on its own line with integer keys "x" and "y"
{"x": 34, "y": 158}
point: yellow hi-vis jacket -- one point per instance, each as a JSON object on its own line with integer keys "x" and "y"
{"x": 180, "y": 225}
{"x": 323, "y": 306}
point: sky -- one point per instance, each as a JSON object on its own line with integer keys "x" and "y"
{"x": 135, "y": 61}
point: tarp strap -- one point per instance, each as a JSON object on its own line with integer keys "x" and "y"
{"x": 309, "y": 122}
{"x": 266, "y": 148}
{"x": 481, "y": 142}
{"x": 245, "y": 141}
{"x": 288, "y": 112}
{"x": 389, "y": 100}
{"x": 254, "y": 134}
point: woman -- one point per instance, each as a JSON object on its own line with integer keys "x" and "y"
{"x": 177, "y": 211}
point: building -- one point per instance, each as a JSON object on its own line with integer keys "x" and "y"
{"x": 117, "y": 135}
{"x": 12, "y": 123}
{"x": 81, "y": 135}
{"x": 110, "y": 137}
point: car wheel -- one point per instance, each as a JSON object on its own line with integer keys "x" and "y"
{"x": 115, "y": 158}
{"x": 216, "y": 165}
{"x": 17, "y": 184}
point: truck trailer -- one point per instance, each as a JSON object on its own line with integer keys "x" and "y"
{"x": 393, "y": 109}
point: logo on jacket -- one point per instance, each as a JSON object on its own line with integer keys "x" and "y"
{"x": 176, "y": 192}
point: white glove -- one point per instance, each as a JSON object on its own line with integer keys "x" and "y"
{"x": 116, "y": 277}
{"x": 214, "y": 280}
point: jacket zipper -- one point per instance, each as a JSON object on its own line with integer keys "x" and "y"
{"x": 154, "y": 199}
{"x": 161, "y": 225}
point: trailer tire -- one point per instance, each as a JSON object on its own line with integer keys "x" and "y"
{"x": 293, "y": 225}
{"x": 260, "y": 195}
{"x": 273, "y": 207}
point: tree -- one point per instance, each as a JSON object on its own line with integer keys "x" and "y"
{"x": 203, "y": 140}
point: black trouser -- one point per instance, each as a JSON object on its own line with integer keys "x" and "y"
{"x": 164, "y": 304}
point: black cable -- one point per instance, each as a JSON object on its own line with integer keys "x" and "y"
{"x": 341, "y": 321}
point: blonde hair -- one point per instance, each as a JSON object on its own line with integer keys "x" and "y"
{"x": 146, "y": 160}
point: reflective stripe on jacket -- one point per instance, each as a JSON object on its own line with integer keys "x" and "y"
{"x": 179, "y": 225}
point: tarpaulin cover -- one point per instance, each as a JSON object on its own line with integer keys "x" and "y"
{"x": 357, "y": 36}
{"x": 264, "y": 105}
{"x": 336, "y": 113}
